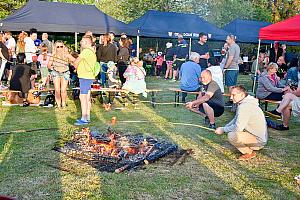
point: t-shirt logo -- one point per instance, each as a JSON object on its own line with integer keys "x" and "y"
{"x": 170, "y": 34}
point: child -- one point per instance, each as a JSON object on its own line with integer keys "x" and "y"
{"x": 43, "y": 58}
{"x": 159, "y": 62}
{"x": 135, "y": 78}
{"x": 112, "y": 75}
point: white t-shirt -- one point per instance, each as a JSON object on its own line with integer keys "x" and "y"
{"x": 217, "y": 76}
{"x": 30, "y": 49}
{"x": 11, "y": 44}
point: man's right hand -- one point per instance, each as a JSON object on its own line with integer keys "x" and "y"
{"x": 219, "y": 131}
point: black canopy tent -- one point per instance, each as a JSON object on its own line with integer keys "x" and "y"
{"x": 63, "y": 17}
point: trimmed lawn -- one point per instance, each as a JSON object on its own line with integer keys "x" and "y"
{"x": 29, "y": 169}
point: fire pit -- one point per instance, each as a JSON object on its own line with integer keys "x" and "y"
{"x": 113, "y": 151}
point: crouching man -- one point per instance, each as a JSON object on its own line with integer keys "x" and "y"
{"x": 248, "y": 130}
{"x": 210, "y": 102}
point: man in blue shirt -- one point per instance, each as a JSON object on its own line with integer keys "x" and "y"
{"x": 189, "y": 75}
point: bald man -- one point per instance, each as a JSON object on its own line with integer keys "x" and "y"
{"x": 210, "y": 102}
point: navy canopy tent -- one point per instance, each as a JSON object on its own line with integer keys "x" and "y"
{"x": 170, "y": 24}
{"x": 245, "y": 30}
{"x": 62, "y": 17}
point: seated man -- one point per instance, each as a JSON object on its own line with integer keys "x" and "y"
{"x": 189, "y": 75}
{"x": 248, "y": 130}
{"x": 210, "y": 103}
{"x": 20, "y": 79}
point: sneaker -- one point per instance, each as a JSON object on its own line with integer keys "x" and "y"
{"x": 166, "y": 79}
{"x": 281, "y": 127}
{"x": 247, "y": 156}
{"x": 173, "y": 80}
{"x": 274, "y": 113}
{"x": 206, "y": 120}
{"x": 228, "y": 104}
{"x": 80, "y": 122}
{"x": 212, "y": 126}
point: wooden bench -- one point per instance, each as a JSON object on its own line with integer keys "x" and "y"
{"x": 266, "y": 102}
{"x": 177, "y": 92}
{"x": 126, "y": 92}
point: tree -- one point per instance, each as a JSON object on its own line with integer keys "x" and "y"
{"x": 9, "y": 6}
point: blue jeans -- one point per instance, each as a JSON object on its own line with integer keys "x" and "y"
{"x": 103, "y": 73}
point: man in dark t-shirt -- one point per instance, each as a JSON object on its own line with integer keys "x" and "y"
{"x": 210, "y": 101}
{"x": 202, "y": 49}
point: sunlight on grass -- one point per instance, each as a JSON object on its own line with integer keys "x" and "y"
{"x": 6, "y": 148}
{"x": 220, "y": 167}
{"x": 85, "y": 181}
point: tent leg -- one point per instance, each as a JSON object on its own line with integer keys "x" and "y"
{"x": 137, "y": 46}
{"x": 190, "y": 47}
{"x": 256, "y": 66}
{"x": 76, "y": 47}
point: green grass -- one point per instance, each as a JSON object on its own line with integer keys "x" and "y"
{"x": 27, "y": 172}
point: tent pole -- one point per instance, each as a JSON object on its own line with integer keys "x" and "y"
{"x": 256, "y": 66}
{"x": 138, "y": 44}
{"x": 190, "y": 47}
{"x": 156, "y": 45}
{"x": 76, "y": 47}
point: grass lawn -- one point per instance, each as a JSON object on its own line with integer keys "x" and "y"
{"x": 28, "y": 166}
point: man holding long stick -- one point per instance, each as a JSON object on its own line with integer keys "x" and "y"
{"x": 248, "y": 130}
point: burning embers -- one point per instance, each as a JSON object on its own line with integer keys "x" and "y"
{"x": 114, "y": 151}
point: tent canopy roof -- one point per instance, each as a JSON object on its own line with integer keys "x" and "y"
{"x": 62, "y": 17}
{"x": 286, "y": 30}
{"x": 245, "y": 30}
{"x": 169, "y": 24}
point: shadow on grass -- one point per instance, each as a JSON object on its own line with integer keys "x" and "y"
{"x": 160, "y": 180}
{"x": 251, "y": 179}
{"x": 27, "y": 161}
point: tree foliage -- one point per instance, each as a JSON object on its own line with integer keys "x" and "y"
{"x": 219, "y": 12}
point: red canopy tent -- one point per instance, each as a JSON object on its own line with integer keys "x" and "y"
{"x": 286, "y": 30}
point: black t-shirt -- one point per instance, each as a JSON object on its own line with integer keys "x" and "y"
{"x": 20, "y": 79}
{"x": 214, "y": 88}
{"x": 201, "y": 50}
{"x": 4, "y": 51}
{"x": 170, "y": 54}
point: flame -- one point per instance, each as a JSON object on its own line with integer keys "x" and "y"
{"x": 116, "y": 145}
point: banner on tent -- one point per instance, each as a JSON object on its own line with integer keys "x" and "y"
{"x": 195, "y": 35}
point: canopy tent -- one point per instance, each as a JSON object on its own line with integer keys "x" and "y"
{"x": 245, "y": 30}
{"x": 286, "y": 30}
{"x": 169, "y": 24}
{"x": 62, "y": 17}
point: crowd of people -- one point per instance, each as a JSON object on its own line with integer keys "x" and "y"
{"x": 115, "y": 65}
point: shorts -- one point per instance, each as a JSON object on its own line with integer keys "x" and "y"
{"x": 85, "y": 85}
{"x": 177, "y": 64}
{"x": 169, "y": 62}
{"x": 159, "y": 67}
{"x": 44, "y": 72}
{"x": 218, "y": 110}
{"x": 56, "y": 74}
{"x": 231, "y": 77}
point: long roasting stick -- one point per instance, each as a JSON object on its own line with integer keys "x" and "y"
{"x": 174, "y": 123}
{"x": 27, "y": 131}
